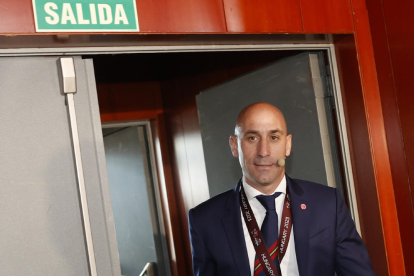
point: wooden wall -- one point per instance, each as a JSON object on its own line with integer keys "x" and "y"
{"x": 392, "y": 35}
{"x": 213, "y": 16}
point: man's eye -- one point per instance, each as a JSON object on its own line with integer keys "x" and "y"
{"x": 275, "y": 137}
{"x": 252, "y": 138}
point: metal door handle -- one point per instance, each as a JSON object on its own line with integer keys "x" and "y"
{"x": 68, "y": 78}
{"x": 148, "y": 270}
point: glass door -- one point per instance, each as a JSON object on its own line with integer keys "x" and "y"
{"x": 135, "y": 199}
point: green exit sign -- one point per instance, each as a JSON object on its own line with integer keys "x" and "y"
{"x": 85, "y": 16}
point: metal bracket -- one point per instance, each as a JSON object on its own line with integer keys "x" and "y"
{"x": 68, "y": 78}
{"x": 148, "y": 270}
{"x": 68, "y": 75}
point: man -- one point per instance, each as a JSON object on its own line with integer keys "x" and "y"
{"x": 322, "y": 240}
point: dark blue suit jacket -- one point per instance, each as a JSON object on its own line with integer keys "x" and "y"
{"x": 326, "y": 240}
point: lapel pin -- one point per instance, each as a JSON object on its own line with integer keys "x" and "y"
{"x": 303, "y": 206}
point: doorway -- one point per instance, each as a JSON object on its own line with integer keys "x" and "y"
{"x": 155, "y": 86}
{"x": 147, "y": 86}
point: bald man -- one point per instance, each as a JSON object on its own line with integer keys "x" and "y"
{"x": 270, "y": 224}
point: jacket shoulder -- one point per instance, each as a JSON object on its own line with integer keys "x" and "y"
{"x": 309, "y": 185}
{"x": 315, "y": 190}
{"x": 212, "y": 205}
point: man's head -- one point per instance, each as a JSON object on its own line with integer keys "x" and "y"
{"x": 260, "y": 140}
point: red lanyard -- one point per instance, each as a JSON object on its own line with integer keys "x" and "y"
{"x": 256, "y": 236}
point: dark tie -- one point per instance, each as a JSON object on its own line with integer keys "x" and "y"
{"x": 270, "y": 231}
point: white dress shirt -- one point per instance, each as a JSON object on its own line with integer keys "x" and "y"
{"x": 289, "y": 265}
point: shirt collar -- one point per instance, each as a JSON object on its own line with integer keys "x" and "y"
{"x": 252, "y": 192}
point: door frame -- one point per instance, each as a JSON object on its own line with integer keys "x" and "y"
{"x": 329, "y": 48}
{"x": 156, "y": 183}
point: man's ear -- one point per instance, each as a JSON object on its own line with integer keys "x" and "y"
{"x": 288, "y": 144}
{"x": 233, "y": 145}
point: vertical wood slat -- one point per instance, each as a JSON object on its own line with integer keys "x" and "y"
{"x": 326, "y": 16}
{"x": 379, "y": 149}
{"x": 400, "y": 22}
{"x": 174, "y": 104}
{"x": 169, "y": 199}
{"x": 272, "y": 16}
{"x": 360, "y": 150}
{"x": 389, "y": 28}
{"x": 401, "y": 42}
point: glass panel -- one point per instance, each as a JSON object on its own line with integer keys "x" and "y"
{"x": 133, "y": 200}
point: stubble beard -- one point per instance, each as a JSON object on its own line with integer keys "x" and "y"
{"x": 259, "y": 182}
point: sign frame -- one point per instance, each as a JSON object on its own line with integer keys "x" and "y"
{"x": 85, "y": 30}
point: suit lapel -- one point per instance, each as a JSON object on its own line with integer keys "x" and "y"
{"x": 234, "y": 231}
{"x": 301, "y": 224}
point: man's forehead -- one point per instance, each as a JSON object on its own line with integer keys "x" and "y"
{"x": 271, "y": 126}
{"x": 261, "y": 117}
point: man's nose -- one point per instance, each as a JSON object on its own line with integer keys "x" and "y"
{"x": 264, "y": 148}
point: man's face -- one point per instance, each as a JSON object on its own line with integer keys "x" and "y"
{"x": 261, "y": 141}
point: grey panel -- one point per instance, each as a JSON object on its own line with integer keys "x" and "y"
{"x": 130, "y": 198}
{"x": 287, "y": 84}
{"x": 41, "y": 229}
